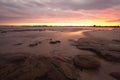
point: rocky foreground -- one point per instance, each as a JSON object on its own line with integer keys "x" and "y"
{"x": 21, "y": 66}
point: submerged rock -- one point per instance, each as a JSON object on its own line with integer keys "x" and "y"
{"x": 35, "y": 44}
{"x": 86, "y": 62}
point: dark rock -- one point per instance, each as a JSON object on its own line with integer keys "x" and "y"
{"x": 35, "y": 70}
{"x": 31, "y": 67}
{"x": 3, "y": 31}
{"x": 55, "y": 74}
{"x": 42, "y": 78}
{"x": 86, "y": 62}
{"x": 67, "y": 69}
{"x": 55, "y": 42}
{"x": 112, "y": 58}
{"x": 39, "y": 42}
{"x": 18, "y": 59}
{"x": 33, "y": 45}
{"x": 116, "y": 41}
{"x": 116, "y": 75}
{"x": 50, "y": 39}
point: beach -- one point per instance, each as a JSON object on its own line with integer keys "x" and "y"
{"x": 56, "y": 53}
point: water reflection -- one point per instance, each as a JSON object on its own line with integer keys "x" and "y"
{"x": 64, "y": 34}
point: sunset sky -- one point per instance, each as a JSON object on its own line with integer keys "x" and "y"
{"x": 60, "y": 12}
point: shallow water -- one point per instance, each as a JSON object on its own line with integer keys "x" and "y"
{"x": 18, "y": 41}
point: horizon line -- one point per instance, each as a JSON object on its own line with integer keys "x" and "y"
{"x": 59, "y": 25}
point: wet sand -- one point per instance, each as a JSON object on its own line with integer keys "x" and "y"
{"x": 58, "y": 54}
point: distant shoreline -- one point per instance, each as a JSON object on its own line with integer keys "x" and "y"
{"x": 57, "y": 26}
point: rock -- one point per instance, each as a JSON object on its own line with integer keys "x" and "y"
{"x": 67, "y": 69}
{"x": 55, "y": 42}
{"x": 100, "y": 47}
{"x": 42, "y": 78}
{"x": 18, "y": 59}
{"x": 3, "y": 31}
{"x": 34, "y": 71}
{"x": 39, "y": 42}
{"x": 112, "y": 58}
{"x": 116, "y": 41}
{"x": 55, "y": 74}
{"x": 33, "y": 68}
{"x": 116, "y": 75}
{"x": 33, "y": 45}
{"x": 86, "y": 62}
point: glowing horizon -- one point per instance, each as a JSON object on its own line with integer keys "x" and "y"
{"x": 66, "y": 24}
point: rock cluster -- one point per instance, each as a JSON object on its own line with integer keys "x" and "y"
{"x": 107, "y": 50}
{"x": 86, "y": 62}
{"x": 30, "y": 67}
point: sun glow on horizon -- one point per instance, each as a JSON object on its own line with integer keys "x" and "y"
{"x": 74, "y": 23}
{"x": 62, "y": 22}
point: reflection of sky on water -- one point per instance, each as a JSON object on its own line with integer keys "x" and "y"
{"x": 64, "y": 34}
